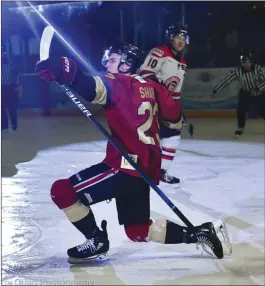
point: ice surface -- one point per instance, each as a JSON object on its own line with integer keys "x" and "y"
{"x": 219, "y": 180}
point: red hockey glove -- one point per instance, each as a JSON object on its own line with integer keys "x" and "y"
{"x": 61, "y": 69}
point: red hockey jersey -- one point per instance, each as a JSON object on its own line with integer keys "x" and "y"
{"x": 132, "y": 108}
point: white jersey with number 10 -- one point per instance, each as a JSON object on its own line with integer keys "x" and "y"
{"x": 168, "y": 69}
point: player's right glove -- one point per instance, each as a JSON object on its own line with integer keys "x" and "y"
{"x": 62, "y": 69}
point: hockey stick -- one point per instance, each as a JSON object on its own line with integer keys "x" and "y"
{"x": 44, "y": 54}
{"x": 189, "y": 130}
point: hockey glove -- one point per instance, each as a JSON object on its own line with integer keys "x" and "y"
{"x": 62, "y": 69}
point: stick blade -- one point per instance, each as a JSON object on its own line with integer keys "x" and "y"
{"x": 45, "y": 42}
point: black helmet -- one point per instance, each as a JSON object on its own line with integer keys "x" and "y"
{"x": 175, "y": 30}
{"x": 130, "y": 55}
{"x": 246, "y": 56}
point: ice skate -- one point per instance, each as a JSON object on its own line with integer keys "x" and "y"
{"x": 14, "y": 127}
{"x": 166, "y": 178}
{"x": 239, "y": 132}
{"x": 92, "y": 250}
{"x": 208, "y": 239}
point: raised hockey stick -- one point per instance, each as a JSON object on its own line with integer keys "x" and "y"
{"x": 44, "y": 54}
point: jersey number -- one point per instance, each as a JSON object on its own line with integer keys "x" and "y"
{"x": 152, "y": 63}
{"x": 145, "y": 106}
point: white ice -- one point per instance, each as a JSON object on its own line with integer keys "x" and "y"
{"x": 219, "y": 180}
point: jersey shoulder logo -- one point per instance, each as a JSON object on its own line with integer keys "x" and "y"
{"x": 157, "y": 52}
{"x": 172, "y": 83}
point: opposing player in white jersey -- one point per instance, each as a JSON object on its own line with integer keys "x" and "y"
{"x": 165, "y": 65}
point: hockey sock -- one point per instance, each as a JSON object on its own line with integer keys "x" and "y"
{"x": 178, "y": 234}
{"x": 169, "y": 148}
{"x": 167, "y": 157}
{"x": 168, "y": 232}
{"x": 82, "y": 218}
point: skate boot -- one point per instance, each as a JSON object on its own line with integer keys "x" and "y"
{"x": 207, "y": 238}
{"x": 166, "y": 178}
{"x": 239, "y": 132}
{"x": 93, "y": 249}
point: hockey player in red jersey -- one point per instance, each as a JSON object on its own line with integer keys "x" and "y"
{"x": 165, "y": 65}
{"x": 132, "y": 106}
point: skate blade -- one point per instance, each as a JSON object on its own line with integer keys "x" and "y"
{"x": 167, "y": 185}
{"x": 222, "y": 234}
{"x": 174, "y": 187}
{"x": 205, "y": 249}
{"x": 93, "y": 259}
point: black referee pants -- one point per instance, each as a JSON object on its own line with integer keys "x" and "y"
{"x": 245, "y": 100}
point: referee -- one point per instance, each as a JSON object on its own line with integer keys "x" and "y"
{"x": 252, "y": 89}
{"x": 9, "y": 98}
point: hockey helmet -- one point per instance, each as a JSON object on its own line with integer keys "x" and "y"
{"x": 131, "y": 55}
{"x": 175, "y": 30}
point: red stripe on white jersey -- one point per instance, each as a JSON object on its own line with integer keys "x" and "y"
{"x": 166, "y": 157}
{"x": 95, "y": 180}
{"x": 170, "y": 150}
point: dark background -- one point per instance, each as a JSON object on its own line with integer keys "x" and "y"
{"x": 218, "y": 30}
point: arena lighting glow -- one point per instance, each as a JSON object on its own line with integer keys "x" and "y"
{"x": 30, "y": 22}
{"x": 40, "y": 8}
{"x": 54, "y": 6}
{"x": 71, "y": 47}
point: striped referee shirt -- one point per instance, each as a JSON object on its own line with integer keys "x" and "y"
{"x": 254, "y": 79}
{"x": 6, "y": 74}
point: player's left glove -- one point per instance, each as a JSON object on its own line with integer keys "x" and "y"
{"x": 62, "y": 69}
